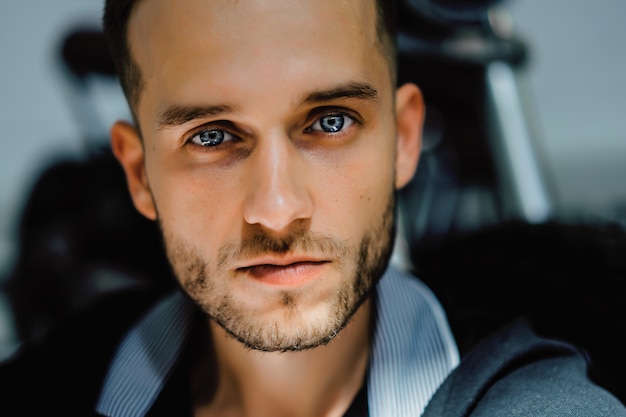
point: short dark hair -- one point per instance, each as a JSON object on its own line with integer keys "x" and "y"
{"x": 387, "y": 33}
{"x": 115, "y": 25}
{"x": 115, "y": 22}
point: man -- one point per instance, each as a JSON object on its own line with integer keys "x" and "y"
{"x": 268, "y": 142}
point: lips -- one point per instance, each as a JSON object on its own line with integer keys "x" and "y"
{"x": 284, "y": 272}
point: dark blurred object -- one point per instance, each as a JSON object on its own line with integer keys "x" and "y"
{"x": 85, "y": 61}
{"x": 479, "y": 216}
{"x": 80, "y": 236}
{"x": 84, "y": 52}
{"x": 481, "y": 163}
{"x": 568, "y": 279}
{"x": 451, "y": 12}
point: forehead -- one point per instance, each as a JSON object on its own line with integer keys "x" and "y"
{"x": 222, "y": 23}
{"x": 185, "y": 44}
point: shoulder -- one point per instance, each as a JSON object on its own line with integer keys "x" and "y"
{"x": 64, "y": 370}
{"x": 517, "y": 373}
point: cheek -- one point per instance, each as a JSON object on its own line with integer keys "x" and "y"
{"x": 193, "y": 202}
{"x": 355, "y": 190}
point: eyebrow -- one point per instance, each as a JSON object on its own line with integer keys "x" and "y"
{"x": 361, "y": 91}
{"x": 176, "y": 115}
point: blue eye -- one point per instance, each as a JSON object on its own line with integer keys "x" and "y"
{"x": 332, "y": 123}
{"x": 211, "y": 137}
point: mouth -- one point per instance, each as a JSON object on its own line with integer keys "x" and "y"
{"x": 284, "y": 273}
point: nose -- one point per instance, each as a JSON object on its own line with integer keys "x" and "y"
{"x": 277, "y": 185}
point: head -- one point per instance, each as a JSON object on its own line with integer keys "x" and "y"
{"x": 272, "y": 142}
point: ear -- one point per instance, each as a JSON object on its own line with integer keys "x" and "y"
{"x": 409, "y": 123}
{"x": 128, "y": 149}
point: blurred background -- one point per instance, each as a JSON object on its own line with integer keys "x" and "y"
{"x": 568, "y": 61}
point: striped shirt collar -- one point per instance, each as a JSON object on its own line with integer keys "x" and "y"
{"x": 413, "y": 352}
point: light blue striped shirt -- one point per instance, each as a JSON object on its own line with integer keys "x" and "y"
{"x": 413, "y": 352}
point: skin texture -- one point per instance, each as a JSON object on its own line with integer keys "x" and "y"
{"x": 279, "y": 231}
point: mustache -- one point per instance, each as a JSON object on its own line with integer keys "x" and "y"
{"x": 261, "y": 243}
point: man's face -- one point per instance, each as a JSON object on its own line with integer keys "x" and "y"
{"x": 269, "y": 158}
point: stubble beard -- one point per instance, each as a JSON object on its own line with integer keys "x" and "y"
{"x": 292, "y": 331}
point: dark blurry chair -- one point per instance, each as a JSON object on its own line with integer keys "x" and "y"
{"x": 479, "y": 218}
{"x": 481, "y": 161}
{"x": 567, "y": 279}
{"x": 79, "y": 234}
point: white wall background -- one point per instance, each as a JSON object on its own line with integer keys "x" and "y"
{"x": 576, "y": 77}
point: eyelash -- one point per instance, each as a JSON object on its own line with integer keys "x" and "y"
{"x": 309, "y": 129}
{"x": 335, "y": 113}
{"x": 209, "y": 130}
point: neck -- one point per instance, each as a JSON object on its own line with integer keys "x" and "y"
{"x": 321, "y": 381}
